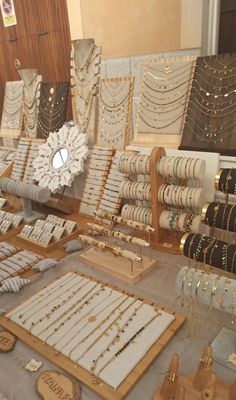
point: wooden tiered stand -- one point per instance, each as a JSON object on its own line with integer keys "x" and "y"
{"x": 161, "y": 239}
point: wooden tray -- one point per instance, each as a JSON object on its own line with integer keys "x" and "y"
{"x": 57, "y": 243}
{"x": 101, "y": 389}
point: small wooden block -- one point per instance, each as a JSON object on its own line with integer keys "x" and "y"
{"x": 54, "y": 386}
{"x": 7, "y": 341}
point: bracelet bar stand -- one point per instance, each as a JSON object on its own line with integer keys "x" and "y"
{"x": 185, "y": 390}
{"x": 27, "y": 192}
{"x": 161, "y": 239}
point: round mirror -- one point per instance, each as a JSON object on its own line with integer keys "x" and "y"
{"x": 59, "y": 158}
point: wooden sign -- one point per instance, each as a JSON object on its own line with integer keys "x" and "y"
{"x": 7, "y": 341}
{"x": 54, "y": 386}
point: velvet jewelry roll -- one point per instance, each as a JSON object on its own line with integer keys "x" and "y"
{"x": 219, "y": 215}
{"x": 209, "y": 250}
{"x": 211, "y": 289}
{"x": 225, "y": 180}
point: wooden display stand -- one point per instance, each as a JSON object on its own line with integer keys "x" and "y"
{"x": 119, "y": 267}
{"x": 101, "y": 389}
{"x": 161, "y": 239}
{"x": 204, "y": 385}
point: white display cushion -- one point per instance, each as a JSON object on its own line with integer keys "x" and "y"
{"x": 45, "y": 265}
{"x": 72, "y": 246}
{"x": 75, "y": 313}
{"x": 13, "y": 284}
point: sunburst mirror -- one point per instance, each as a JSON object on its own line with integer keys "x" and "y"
{"x": 61, "y": 158}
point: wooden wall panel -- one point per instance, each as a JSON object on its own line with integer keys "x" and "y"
{"x": 41, "y": 39}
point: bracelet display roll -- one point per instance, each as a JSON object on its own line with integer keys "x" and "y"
{"x": 108, "y": 247}
{"x": 209, "y": 250}
{"x": 121, "y": 220}
{"x": 181, "y": 167}
{"x": 225, "y": 180}
{"x": 219, "y": 215}
{"x": 180, "y": 221}
{"x": 181, "y": 196}
{"x": 209, "y": 288}
{"x": 25, "y": 190}
{"x": 134, "y": 163}
{"x": 118, "y": 235}
{"x": 135, "y": 213}
{"x": 135, "y": 190}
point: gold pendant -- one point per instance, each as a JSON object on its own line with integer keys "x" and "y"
{"x": 92, "y": 319}
{"x": 167, "y": 70}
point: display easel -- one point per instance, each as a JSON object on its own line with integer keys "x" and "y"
{"x": 161, "y": 239}
{"x": 102, "y": 390}
{"x": 201, "y": 386}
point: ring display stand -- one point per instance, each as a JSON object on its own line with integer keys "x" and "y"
{"x": 203, "y": 385}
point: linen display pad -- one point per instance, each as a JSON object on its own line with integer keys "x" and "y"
{"x": 101, "y": 329}
{"x": 164, "y": 97}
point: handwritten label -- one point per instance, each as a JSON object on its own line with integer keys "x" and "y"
{"x": 54, "y": 386}
{"x": 7, "y": 341}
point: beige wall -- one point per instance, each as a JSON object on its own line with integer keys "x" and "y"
{"x": 133, "y": 27}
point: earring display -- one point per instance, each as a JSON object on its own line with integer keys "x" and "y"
{"x": 12, "y": 113}
{"x": 9, "y": 224}
{"x": 96, "y": 327}
{"x": 111, "y": 199}
{"x": 211, "y": 289}
{"x": 20, "y": 160}
{"x": 61, "y": 158}
{"x": 98, "y": 169}
{"x": 52, "y": 108}
{"x": 115, "y": 111}
{"x": 3, "y": 202}
{"x": 14, "y": 261}
{"x": 32, "y": 155}
{"x": 7, "y": 156}
{"x": 209, "y": 250}
{"x": 31, "y": 93}
{"x": 210, "y": 119}
{"x": 219, "y": 215}
{"x": 163, "y": 100}
{"x": 49, "y": 233}
{"x": 225, "y": 181}
{"x": 85, "y": 76}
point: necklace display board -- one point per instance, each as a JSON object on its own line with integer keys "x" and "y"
{"x": 98, "y": 169}
{"x": 115, "y": 109}
{"x": 12, "y": 113}
{"x": 163, "y": 101}
{"x": 85, "y": 76}
{"x": 81, "y": 345}
{"x": 52, "y": 108}
{"x": 61, "y": 158}
{"x": 210, "y": 122}
{"x": 31, "y": 93}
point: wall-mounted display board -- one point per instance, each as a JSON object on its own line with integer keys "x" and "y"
{"x": 210, "y": 123}
{"x": 12, "y": 112}
{"x": 82, "y": 335}
{"x": 115, "y": 106}
{"x": 163, "y": 101}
